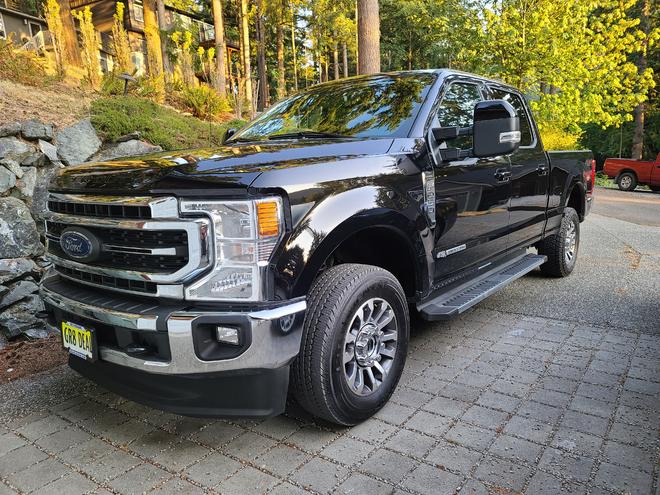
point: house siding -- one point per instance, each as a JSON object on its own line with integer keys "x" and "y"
{"x": 17, "y": 25}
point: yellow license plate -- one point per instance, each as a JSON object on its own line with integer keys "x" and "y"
{"x": 78, "y": 340}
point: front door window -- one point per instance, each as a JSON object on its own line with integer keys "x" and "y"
{"x": 457, "y": 110}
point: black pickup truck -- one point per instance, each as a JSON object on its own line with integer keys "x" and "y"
{"x": 212, "y": 282}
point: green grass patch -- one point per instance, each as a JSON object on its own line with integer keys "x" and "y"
{"x": 114, "y": 117}
{"x": 603, "y": 180}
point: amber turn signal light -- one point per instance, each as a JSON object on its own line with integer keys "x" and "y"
{"x": 268, "y": 218}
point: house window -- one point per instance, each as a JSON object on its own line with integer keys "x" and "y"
{"x": 34, "y": 29}
{"x": 3, "y": 34}
{"x": 138, "y": 10}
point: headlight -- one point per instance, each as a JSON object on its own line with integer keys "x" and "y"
{"x": 245, "y": 235}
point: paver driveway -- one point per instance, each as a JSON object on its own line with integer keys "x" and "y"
{"x": 493, "y": 402}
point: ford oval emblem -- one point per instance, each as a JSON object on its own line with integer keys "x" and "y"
{"x": 79, "y": 244}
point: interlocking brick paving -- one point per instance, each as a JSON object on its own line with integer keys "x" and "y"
{"x": 488, "y": 403}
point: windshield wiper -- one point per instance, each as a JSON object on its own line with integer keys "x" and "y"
{"x": 307, "y": 134}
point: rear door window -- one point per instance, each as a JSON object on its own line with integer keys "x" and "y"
{"x": 526, "y": 135}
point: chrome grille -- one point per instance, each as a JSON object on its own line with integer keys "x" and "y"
{"x": 153, "y": 256}
{"x": 164, "y": 251}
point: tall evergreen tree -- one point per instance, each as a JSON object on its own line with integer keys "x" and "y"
{"x": 368, "y": 36}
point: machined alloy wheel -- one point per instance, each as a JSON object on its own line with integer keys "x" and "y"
{"x": 570, "y": 243}
{"x": 354, "y": 343}
{"x": 370, "y": 346}
{"x": 562, "y": 247}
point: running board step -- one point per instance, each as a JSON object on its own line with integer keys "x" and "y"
{"x": 461, "y": 298}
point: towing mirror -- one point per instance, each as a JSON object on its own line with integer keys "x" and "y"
{"x": 496, "y": 129}
{"x": 229, "y": 133}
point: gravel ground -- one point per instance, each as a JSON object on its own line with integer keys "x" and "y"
{"x": 551, "y": 386}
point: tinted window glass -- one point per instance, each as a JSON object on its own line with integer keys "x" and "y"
{"x": 457, "y": 110}
{"x": 526, "y": 137}
{"x": 378, "y": 106}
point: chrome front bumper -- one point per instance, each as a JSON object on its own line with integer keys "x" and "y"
{"x": 270, "y": 347}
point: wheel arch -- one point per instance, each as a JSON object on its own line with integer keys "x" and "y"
{"x": 624, "y": 171}
{"x": 353, "y": 228}
{"x": 576, "y": 199}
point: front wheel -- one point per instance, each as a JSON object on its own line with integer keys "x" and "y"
{"x": 627, "y": 181}
{"x": 562, "y": 248}
{"x": 354, "y": 343}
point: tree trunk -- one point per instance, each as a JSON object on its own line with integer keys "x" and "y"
{"x": 293, "y": 48}
{"x": 220, "y": 50}
{"x": 357, "y": 36}
{"x": 160, "y": 4}
{"x": 70, "y": 41}
{"x": 368, "y": 36}
{"x": 335, "y": 61}
{"x": 637, "y": 150}
{"x": 262, "y": 101}
{"x": 281, "y": 70}
{"x": 345, "y": 59}
{"x": 245, "y": 53}
{"x": 152, "y": 35}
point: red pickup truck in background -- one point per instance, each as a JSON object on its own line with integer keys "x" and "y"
{"x": 628, "y": 174}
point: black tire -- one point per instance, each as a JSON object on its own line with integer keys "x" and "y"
{"x": 627, "y": 181}
{"x": 555, "y": 247}
{"x": 318, "y": 374}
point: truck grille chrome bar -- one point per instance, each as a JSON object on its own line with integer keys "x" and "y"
{"x": 151, "y": 257}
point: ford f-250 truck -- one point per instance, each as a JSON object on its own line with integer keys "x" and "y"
{"x": 212, "y": 282}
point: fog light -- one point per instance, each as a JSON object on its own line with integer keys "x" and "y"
{"x": 227, "y": 335}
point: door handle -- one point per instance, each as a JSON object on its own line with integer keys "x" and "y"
{"x": 502, "y": 175}
{"x": 542, "y": 169}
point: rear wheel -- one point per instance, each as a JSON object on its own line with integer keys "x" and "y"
{"x": 354, "y": 343}
{"x": 627, "y": 181}
{"x": 562, "y": 247}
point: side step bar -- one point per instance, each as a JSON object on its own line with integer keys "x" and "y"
{"x": 461, "y": 298}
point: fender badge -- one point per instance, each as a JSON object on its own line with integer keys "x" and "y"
{"x": 454, "y": 250}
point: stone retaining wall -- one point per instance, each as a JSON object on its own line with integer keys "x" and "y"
{"x": 31, "y": 153}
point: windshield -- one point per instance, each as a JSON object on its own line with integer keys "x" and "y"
{"x": 383, "y": 106}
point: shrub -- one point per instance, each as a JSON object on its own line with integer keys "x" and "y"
{"x": 90, "y": 46}
{"x": 204, "y": 102}
{"x": 559, "y": 139}
{"x": 111, "y": 85}
{"x": 21, "y": 66}
{"x": 117, "y": 116}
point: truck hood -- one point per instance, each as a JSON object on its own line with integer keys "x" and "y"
{"x": 234, "y": 166}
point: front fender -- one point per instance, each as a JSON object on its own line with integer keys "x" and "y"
{"x": 336, "y": 218}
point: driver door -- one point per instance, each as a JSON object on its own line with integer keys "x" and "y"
{"x": 472, "y": 195}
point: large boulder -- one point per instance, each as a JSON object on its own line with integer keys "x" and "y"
{"x": 11, "y": 269}
{"x": 7, "y": 180}
{"x": 125, "y": 149}
{"x": 17, "y": 291}
{"x": 10, "y": 129}
{"x": 25, "y": 185}
{"x": 50, "y": 151}
{"x": 34, "y": 130}
{"x": 14, "y": 149}
{"x": 12, "y": 166}
{"x": 21, "y": 318}
{"x": 36, "y": 159}
{"x": 18, "y": 232}
{"x": 39, "y": 203}
{"x": 76, "y": 143}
